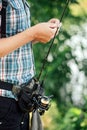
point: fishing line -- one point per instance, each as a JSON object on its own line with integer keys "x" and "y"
{"x": 52, "y": 41}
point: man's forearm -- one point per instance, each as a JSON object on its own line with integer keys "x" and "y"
{"x": 10, "y": 44}
{"x": 42, "y": 32}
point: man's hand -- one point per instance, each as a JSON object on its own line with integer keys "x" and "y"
{"x": 57, "y": 22}
{"x": 44, "y": 32}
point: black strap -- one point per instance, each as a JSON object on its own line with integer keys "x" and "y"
{"x": 3, "y": 18}
{"x": 6, "y": 85}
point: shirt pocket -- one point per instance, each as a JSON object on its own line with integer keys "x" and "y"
{"x": 16, "y": 17}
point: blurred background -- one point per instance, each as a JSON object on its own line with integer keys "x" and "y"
{"x": 66, "y": 68}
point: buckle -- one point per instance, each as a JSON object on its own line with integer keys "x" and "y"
{"x": 16, "y": 89}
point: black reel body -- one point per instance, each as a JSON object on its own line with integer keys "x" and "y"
{"x": 32, "y": 98}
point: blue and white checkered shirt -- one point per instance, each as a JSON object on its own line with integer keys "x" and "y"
{"x": 18, "y": 66}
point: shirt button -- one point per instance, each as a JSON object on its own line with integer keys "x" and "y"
{"x": 0, "y": 123}
{"x": 22, "y": 123}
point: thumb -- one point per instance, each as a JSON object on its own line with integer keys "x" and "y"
{"x": 52, "y": 25}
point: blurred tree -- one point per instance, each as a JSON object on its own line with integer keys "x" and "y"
{"x": 57, "y": 71}
{"x": 75, "y": 119}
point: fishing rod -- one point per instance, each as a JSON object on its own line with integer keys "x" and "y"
{"x": 52, "y": 42}
{"x": 31, "y": 97}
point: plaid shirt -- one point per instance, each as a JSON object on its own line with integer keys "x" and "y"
{"x": 18, "y": 66}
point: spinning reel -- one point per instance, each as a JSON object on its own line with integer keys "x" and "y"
{"x": 32, "y": 98}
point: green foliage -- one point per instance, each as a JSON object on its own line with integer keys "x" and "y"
{"x": 75, "y": 119}
{"x": 43, "y": 10}
{"x": 84, "y": 68}
{"x": 57, "y": 72}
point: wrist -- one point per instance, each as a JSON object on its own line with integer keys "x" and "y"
{"x": 33, "y": 33}
{"x": 29, "y": 34}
